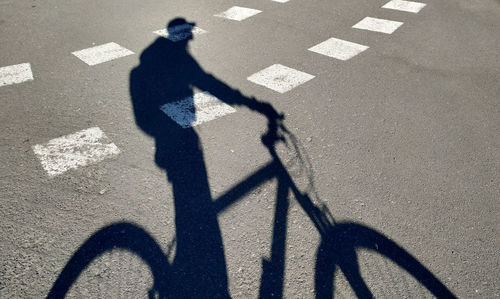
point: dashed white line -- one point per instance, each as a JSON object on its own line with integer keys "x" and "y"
{"x": 402, "y": 5}
{"x": 280, "y": 78}
{"x": 75, "y": 150}
{"x": 280, "y": 1}
{"x": 238, "y": 13}
{"x": 195, "y": 110}
{"x": 102, "y": 53}
{"x": 339, "y": 49}
{"x": 378, "y": 25}
{"x": 14, "y": 74}
{"x": 180, "y": 32}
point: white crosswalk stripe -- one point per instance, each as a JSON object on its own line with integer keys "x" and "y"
{"x": 75, "y": 150}
{"x": 378, "y": 25}
{"x": 195, "y": 110}
{"x": 339, "y": 49}
{"x": 15, "y": 74}
{"x": 102, "y": 53}
{"x": 238, "y": 13}
{"x": 402, "y": 5}
{"x": 280, "y": 78}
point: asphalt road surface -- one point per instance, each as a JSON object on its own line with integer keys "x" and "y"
{"x": 134, "y": 160}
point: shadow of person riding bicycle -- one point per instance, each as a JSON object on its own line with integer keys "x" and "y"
{"x": 167, "y": 75}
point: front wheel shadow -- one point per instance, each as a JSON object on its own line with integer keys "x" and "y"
{"x": 338, "y": 251}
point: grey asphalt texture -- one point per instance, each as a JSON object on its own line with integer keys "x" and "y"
{"x": 403, "y": 138}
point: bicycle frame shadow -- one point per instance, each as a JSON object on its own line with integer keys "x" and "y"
{"x": 339, "y": 244}
{"x": 168, "y": 74}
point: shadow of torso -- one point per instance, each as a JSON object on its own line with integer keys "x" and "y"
{"x": 165, "y": 75}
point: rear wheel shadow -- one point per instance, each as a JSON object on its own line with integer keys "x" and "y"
{"x": 122, "y": 235}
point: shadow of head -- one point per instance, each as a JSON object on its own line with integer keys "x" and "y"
{"x": 179, "y": 30}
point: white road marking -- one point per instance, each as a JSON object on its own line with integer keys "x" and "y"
{"x": 378, "y": 25}
{"x": 402, "y": 5}
{"x": 338, "y": 48}
{"x": 180, "y": 32}
{"x": 238, "y": 13}
{"x": 75, "y": 150}
{"x": 280, "y": 78}
{"x": 102, "y": 53}
{"x": 281, "y": 1}
{"x": 14, "y": 74}
{"x": 195, "y": 110}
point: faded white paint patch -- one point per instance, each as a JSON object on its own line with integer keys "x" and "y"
{"x": 402, "y": 5}
{"x": 75, "y": 150}
{"x": 339, "y": 49}
{"x": 280, "y": 78}
{"x": 195, "y": 110}
{"x": 102, "y": 53}
{"x": 14, "y": 74}
{"x": 180, "y": 32}
{"x": 378, "y": 25}
{"x": 238, "y": 13}
{"x": 281, "y": 1}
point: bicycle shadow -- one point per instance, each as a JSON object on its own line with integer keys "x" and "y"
{"x": 167, "y": 75}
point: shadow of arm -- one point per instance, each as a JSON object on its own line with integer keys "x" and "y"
{"x": 232, "y": 96}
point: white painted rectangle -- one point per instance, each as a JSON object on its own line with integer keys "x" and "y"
{"x": 75, "y": 150}
{"x": 15, "y": 74}
{"x": 402, "y": 5}
{"x": 281, "y": 1}
{"x": 238, "y": 13}
{"x": 280, "y": 78}
{"x": 378, "y": 25}
{"x": 195, "y": 110}
{"x": 339, "y": 49}
{"x": 102, "y": 53}
{"x": 180, "y": 32}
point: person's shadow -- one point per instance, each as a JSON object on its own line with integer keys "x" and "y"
{"x": 167, "y": 74}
